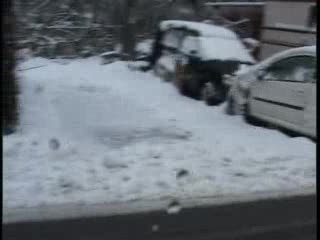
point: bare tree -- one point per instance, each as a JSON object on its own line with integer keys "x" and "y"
{"x": 128, "y": 21}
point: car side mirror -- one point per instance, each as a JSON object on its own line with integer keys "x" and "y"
{"x": 260, "y": 74}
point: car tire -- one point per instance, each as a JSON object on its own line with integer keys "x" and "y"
{"x": 182, "y": 81}
{"x": 178, "y": 81}
{"x": 212, "y": 95}
{"x": 230, "y": 106}
{"x": 193, "y": 86}
{"x": 250, "y": 119}
{"x": 156, "y": 69}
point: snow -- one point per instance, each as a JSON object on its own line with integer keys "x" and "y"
{"x": 206, "y": 30}
{"x": 295, "y": 27}
{"x": 145, "y": 46}
{"x": 171, "y": 39}
{"x": 109, "y": 53}
{"x": 216, "y": 48}
{"x": 190, "y": 44}
{"x": 215, "y": 42}
{"x": 92, "y": 133}
{"x": 224, "y": 49}
{"x": 251, "y": 43}
{"x": 167, "y": 62}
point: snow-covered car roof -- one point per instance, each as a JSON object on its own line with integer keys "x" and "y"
{"x": 216, "y": 43}
{"x": 224, "y": 49}
{"x": 204, "y": 29}
{"x": 216, "y": 48}
{"x": 308, "y": 50}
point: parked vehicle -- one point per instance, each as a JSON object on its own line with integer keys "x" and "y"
{"x": 280, "y": 91}
{"x": 196, "y": 56}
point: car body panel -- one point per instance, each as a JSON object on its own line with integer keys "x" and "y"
{"x": 288, "y": 103}
{"x": 310, "y": 111}
{"x": 283, "y": 100}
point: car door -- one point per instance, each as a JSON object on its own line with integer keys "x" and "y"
{"x": 280, "y": 96}
{"x": 310, "y": 111}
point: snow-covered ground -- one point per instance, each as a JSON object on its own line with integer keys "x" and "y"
{"x": 94, "y": 133}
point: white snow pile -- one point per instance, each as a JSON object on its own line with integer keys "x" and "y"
{"x": 94, "y": 133}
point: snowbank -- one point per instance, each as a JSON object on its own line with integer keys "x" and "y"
{"x": 95, "y": 134}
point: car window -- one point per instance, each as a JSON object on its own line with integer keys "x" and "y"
{"x": 299, "y": 69}
{"x": 190, "y": 46}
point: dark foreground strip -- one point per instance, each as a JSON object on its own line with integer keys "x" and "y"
{"x": 279, "y": 103}
{"x": 277, "y": 219}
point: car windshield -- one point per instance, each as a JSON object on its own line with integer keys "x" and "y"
{"x": 121, "y": 121}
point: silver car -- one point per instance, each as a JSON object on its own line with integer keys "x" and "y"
{"x": 281, "y": 91}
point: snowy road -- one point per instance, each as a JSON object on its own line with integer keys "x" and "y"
{"x": 94, "y": 133}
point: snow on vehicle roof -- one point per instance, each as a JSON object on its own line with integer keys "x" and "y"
{"x": 217, "y": 49}
{"x": 206, "y": 30}
{"x": 144, "y": 46}
{"x": 224, "y": 49}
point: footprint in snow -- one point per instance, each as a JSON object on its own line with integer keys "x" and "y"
{"x": 182, "y": 173}
{"x": 54, "y": 144}
{"x": 126, "y": 178}
{"x": 240, "y": 174}
{"x": 109, "y": 164}
{"x": 162, "y": 184}
{"x": 174, "y": 207}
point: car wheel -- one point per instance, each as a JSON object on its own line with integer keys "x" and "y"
{"x": 193, "y": 86}
{"x": 250, "y": 119}
{"x": 178, "y": 81}
{"x": 230, "y": 107}
{"x": 157, "y": 69}
{"x": 212, "y": 95}
{"x": 183, "y": 78}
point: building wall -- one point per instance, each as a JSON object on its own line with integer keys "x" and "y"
{"x": 286, "y": 25}
{"x": 287, "y": 12}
